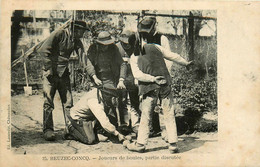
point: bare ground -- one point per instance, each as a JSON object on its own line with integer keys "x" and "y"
{"x": 27, "y": 136}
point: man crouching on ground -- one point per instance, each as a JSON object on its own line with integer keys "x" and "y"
{"x": 85, "y": 114}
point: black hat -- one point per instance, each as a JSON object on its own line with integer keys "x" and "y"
{"x": 80, "y": 25}
{"x": 124, "y": 36}
{"x": 146, "y": 25}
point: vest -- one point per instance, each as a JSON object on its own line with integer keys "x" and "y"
{"x": 153, "y": 63}
{"x": 155, "y": 39}
{"x": 105, "y": 64}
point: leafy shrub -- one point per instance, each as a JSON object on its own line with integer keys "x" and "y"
{"x": 195, "y": 93}
{"x": 82, "y": 80}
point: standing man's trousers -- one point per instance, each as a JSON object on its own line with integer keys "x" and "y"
{"x": 50, "y": 85}
{"x": 134, "y": 111}
{"x": 148, "y": 104}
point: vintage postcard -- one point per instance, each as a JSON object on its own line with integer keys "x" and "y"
{"x": 114, "y": 83}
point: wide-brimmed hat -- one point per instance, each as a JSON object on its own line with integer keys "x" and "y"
{"x": 80, "y": 25}
{"x": 105, "y": 38}
{"x": 124, "y": 36}
{"x": 146, "y": 24}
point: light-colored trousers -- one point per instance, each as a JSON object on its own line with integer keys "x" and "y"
{"x": 147, "y": 107}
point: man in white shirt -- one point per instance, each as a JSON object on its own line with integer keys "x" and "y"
{"x": 148, "y": 27}
{"x": 154, "y": 84}
{"x": 87, "y": 111}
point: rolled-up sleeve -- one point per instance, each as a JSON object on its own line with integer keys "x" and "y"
{"x": 165, "y": 42}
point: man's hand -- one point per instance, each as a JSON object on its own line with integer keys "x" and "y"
{"x": 48, "y": 74}
{"x": 96, "y": 80}
{"x": 121, "y": 137}
{"x": 121, "y": 85}
{"x": 160, "y": 80}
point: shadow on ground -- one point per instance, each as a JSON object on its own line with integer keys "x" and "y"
{"x": 30, "y": 137}
{"x": 191, "y": 143}
{"x": 187, "y": 144}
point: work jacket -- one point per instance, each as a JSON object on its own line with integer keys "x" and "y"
{"x": 126, "y": 54}
{"x": 109, "y": 65}
{"x": 56, "y": 51}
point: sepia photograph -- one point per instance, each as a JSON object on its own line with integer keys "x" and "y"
{"x": 129, "y": 83}
{"x": 100, "y": 81}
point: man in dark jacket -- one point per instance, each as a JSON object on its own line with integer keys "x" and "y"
{"x": 126, "y": 50}
{"x": 109, "y": 69}
{"x": 56, "y": 51}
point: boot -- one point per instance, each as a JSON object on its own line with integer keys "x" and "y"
{"x": 67, "y": 135}
{"x": 49, "y": 135}
{"x": 136, "y": 147}
{"x": 173, "y": 148}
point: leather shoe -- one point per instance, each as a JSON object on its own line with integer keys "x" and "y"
{"x": 49, "y": 135}
{"x": 173, "y": 148}
{"x": 135, "y": 147}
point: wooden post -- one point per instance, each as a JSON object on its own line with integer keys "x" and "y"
{"x": 73, "y": 54}
{"x": 34, "y": 28}
{"x": 206, "y": 62}
{"x": 73, "y": 73}
{"x": 25, "y": 71}
{"x": 184, "y": 24}
{"x": 191, "y": 37}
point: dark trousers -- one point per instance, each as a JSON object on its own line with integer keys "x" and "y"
{"x": 122, "y": 106}
{"x": 50, "y": 85}
{"x": 110, "y": 108}
{"x": 155, "y": 126}
{"x": 134, "y": 102}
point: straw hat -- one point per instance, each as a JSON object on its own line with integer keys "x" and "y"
{"x": 105, "y": 38}
{"x": 146, "y": 25}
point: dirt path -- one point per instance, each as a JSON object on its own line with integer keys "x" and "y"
{"x": 27, "y": 134}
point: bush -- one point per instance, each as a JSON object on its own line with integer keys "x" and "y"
{"x": 82, "y": 80}
{"x": 195, "y": 93}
